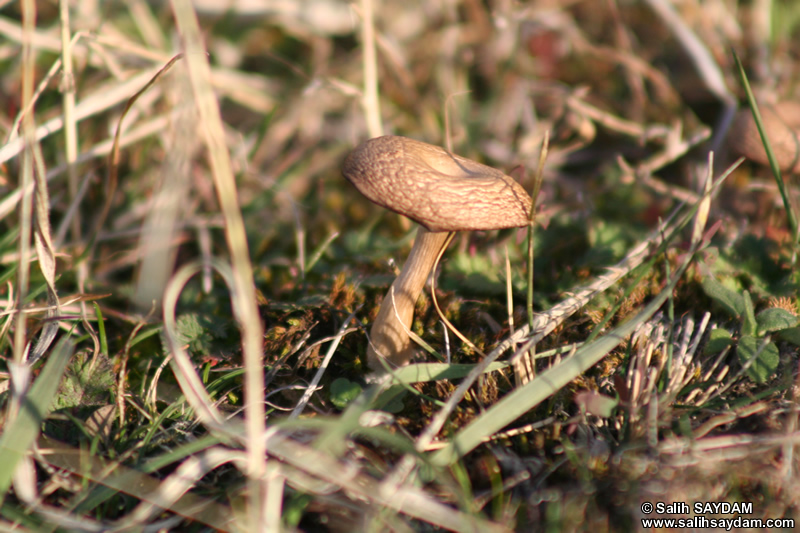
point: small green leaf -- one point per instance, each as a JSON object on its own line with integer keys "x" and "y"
{"x": 343, "y": 391}
{"x": 718, "y": 340}
{"x": 765, "y": 364}
{"x": 791, "y": 335}
{"x": 749, "y": 318}
{"x": 190, "y": 331}
{"x": 199, "y": 332}
{"x": 775, "y": 319}
{"x": 730, "y": 300}
{"x": 394, "y": 406}
{"x": 86, "y": 382}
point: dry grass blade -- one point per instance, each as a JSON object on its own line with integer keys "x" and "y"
{"x": 68, "y": 92}
{"x": 182, "y": 364}
{"x": 155, "y": 495}
{"x": 113, "y": 158}
{"x": 442, "y": 316}
{"x": 370, "y": 99}
{"x": 168, "y": 208}
{"x": 244, "y": 298}
{"x": 705, "y": 65}
{"x": 701, "y": 218}
{"x": 47, "y": 258}
{"x": 26, "y": 179}
{"x": 105, "y": 98}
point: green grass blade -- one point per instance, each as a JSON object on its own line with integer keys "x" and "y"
{"x": 321, "y": 249}
{"x": 773, "y": 163}
{"x": 101, "y": 328}
{"x": 35, "y": 406}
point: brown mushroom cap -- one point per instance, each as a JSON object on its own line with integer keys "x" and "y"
{"x": 439, "y": 190}
{"x": 782, "y": 124}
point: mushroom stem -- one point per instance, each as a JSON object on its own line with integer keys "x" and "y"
{"x": 388, "y": 337}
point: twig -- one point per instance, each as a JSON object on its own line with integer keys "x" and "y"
{"x": 312, "y": 387}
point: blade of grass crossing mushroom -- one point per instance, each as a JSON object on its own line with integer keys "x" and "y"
{"x": 443, "y": 318}
{"x": 416, "y": 338}
{"x": 391, "y": 376}
{"x": 773, "y": 163}
{"x": 413, "y": 336}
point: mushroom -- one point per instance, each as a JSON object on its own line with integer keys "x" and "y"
{"x": 782, "y": 124}
{"x": 443, "y": 193}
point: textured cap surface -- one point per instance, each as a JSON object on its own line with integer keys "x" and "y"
{"x": 439, "y": 190}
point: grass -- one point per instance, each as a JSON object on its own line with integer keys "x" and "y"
{"x": 188, "y": 280}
